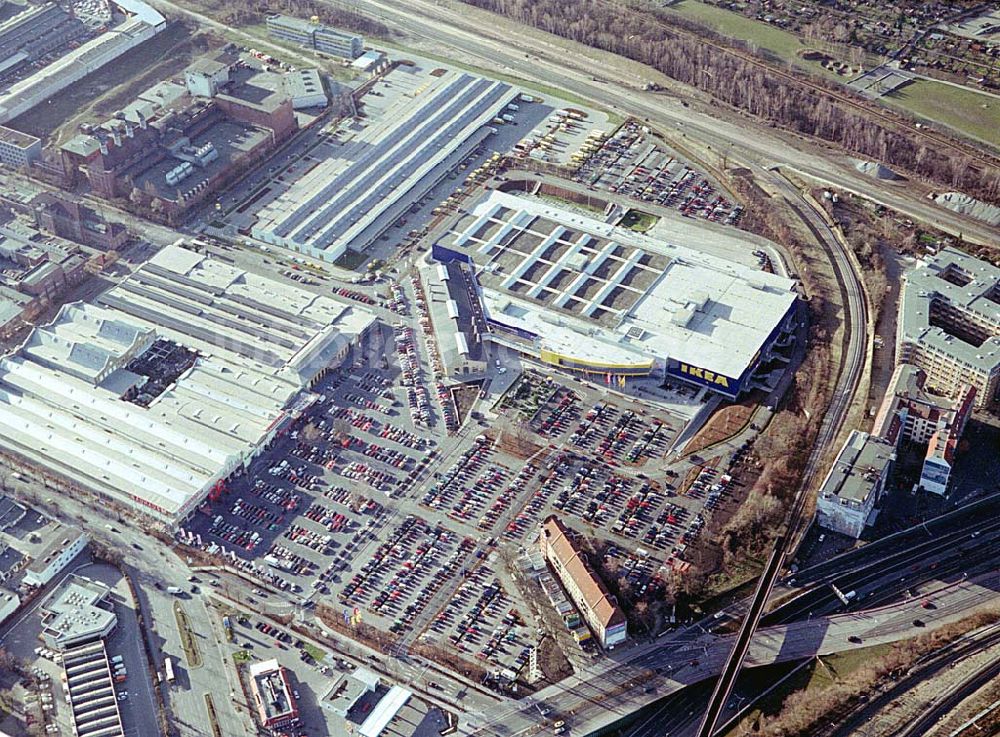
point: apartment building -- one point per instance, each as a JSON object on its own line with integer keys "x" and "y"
{"x": 949, "y": 325}
{"x": 597, "y": 607}
{"x": 910, "y": 412}
{"x": 855, "y": 484}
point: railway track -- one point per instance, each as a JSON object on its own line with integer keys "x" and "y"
{"x": 926, "y": 668}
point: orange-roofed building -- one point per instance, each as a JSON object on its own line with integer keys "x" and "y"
{"x": 598, "y": 607}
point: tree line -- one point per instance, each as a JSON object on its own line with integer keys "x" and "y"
{"x": 250, "y": 12}
{"x": 642, "y": 35}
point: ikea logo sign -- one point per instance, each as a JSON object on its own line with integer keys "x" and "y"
{"x": 704, "y": 375}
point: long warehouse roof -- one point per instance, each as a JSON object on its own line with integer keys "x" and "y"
{"x": 343, "y": 196}
{"x": 255, "y": 344}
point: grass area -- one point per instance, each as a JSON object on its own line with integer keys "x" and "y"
{"x": 191, "y": 652}
{"x": 639, "y": 221}
{"x": 316, "y": 653}
{"x": 781, "y": 43}
{"x": 965, "y": 111}
{"x": 241, "y": 656}
{"x": 817, "y": 675}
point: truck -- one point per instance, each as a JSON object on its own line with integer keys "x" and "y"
{"x": 174, "y": 590}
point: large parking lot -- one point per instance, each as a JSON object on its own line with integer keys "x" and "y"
{"x": 630, "y": 163}
{"x": 395, "y": 523}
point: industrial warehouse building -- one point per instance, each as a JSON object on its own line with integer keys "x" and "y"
{"x": 586, "y": 296}
{"x": 949, "y": 324}
{"x": 172, "y": 381}
{"x": 372, "y": 177}
{"x": 599, "y": 609}
{"x": 34, "y": 37}
{"x": 180, "y": 143}
{"x": 90, "y": 692}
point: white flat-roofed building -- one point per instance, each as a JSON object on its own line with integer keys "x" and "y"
{"x": 76, "y": 613}
{"x": 949, "y": 324}
{"x": 9, "y": 603}
{"x": 347, "y": 690}
{"x": 18, "y": 149}
{"x": 68, "y": 543}
{"x": 305, "y": 88}
{"x": 584, "y": 295}
{"x": 315, "y": 35}
{"x": 855, "y": 484}
{"x": 350, "y": 198}
{"x": 175, "y": 379}
{"x": 378, "y": 721}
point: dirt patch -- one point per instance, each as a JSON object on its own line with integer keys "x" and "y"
{"x": 726, "y": 422}
{"x": 464, "y": 397}
{"x": 551, "y": 660}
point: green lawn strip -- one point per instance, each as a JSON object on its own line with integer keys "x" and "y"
{"x": 966, "y": 111}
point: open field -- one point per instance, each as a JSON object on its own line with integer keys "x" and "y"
{"x": 965, "y": 111}
{"x": 780, "y": 43}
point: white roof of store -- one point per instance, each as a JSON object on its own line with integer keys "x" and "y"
{"x": 702, "y": 309}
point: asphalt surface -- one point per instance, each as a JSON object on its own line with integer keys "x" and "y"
{"x": 593, "y": 699}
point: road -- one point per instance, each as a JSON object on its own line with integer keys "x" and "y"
{"x": 529, "y": 55}
{"x": 593, "y": 699}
